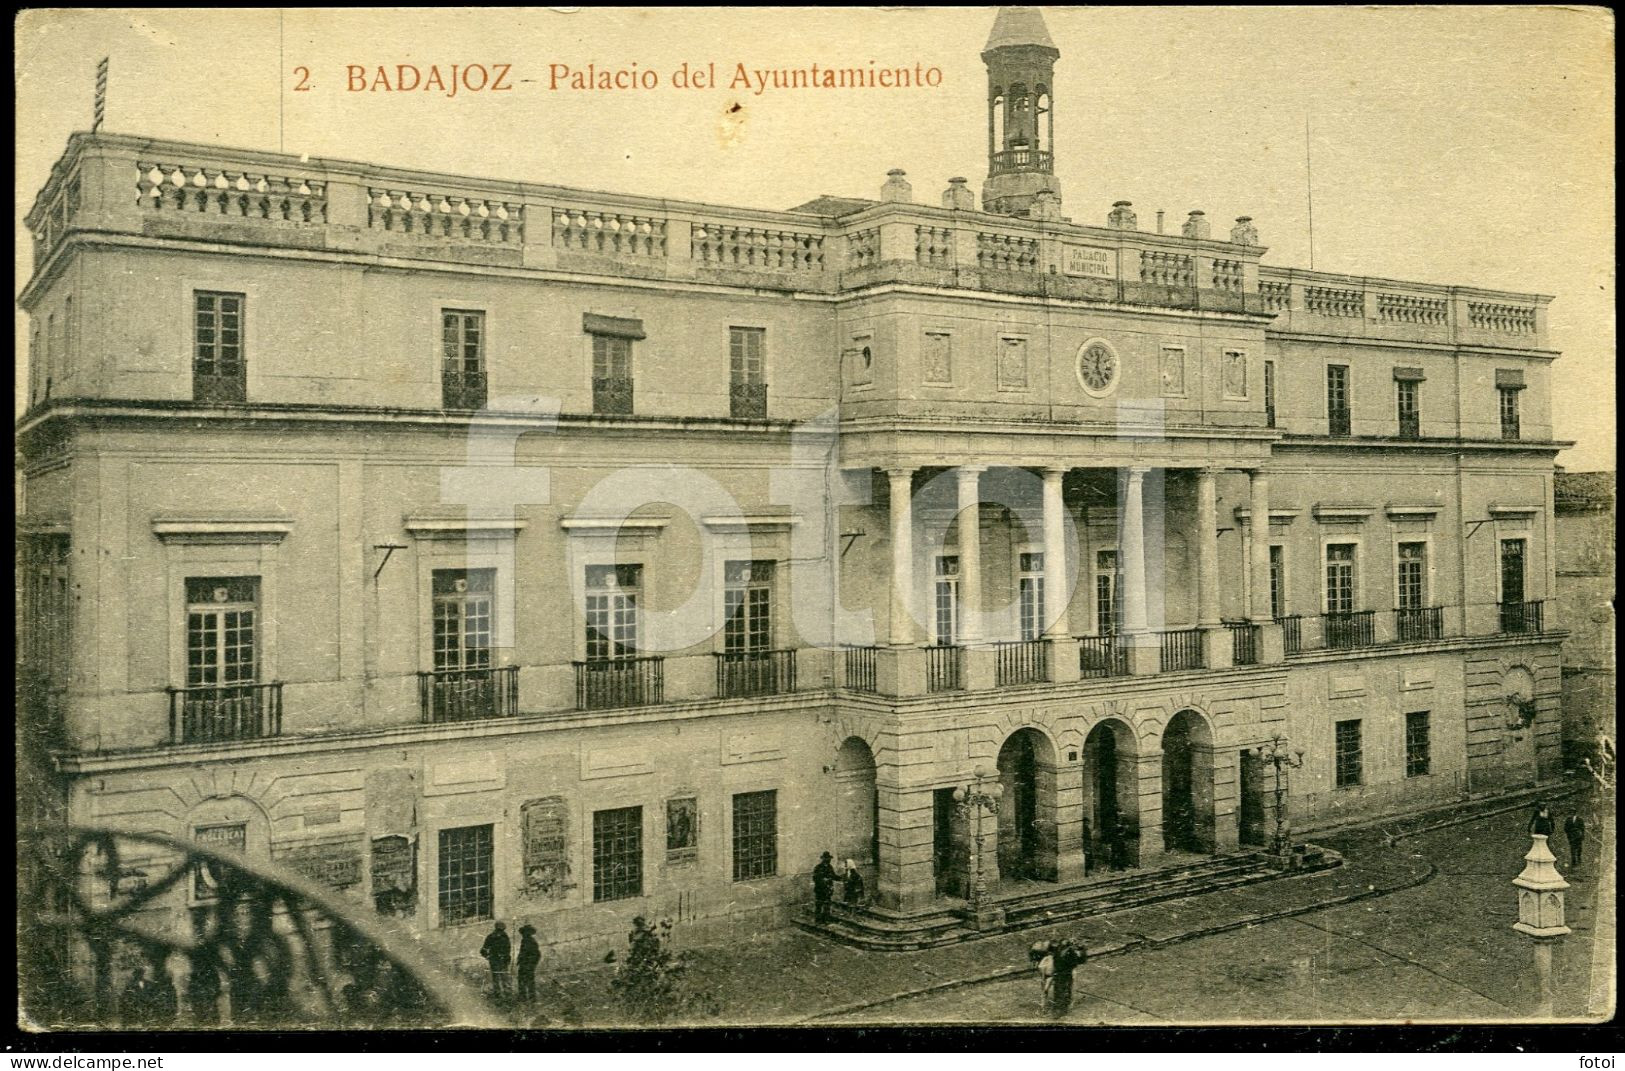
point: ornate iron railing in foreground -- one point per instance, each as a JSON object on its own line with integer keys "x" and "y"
{"x": 103, "y": 911}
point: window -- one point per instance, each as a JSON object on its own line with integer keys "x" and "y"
{"x": 1412, "y": 580}
{"x": 46, "y": 608}
{"x": 1512, "y": 570}
{"x": 611, "y": 375}
{"x": 1269, "y": 394}
{"x": 747, "y": 607}
{"x": 219, "y": 366}
{"x": 612, "y": 611}
{"x": 1509, "y": 412}
{"x": 462, "y": 369}
{"x": 938, "y": 362}
{"x": 51, "y": 351}
{"x": 465, "y": 874}
{"x": 1407, "y": 402}
{"x": 756, "y": 835}
{"x": 1173, "y": 371}
{"x": 462, "y": 619}
{"x": 1340, "y": 578}
{"x": 947, "y": 600}
{"x": 1348, "y": 753}
{"x": 206, "y": 876}
{"x": 220, "y": 631}
{"x": 747, "y": 371}
{"x": 1235, "y": 374}
{"x": 1337, "y": 399}
{"x": 1108, "y": 593}
{"x": 1031, "y": 595}
{"x": 1277, "y": 580}
{"x": 617, "y": 853}
{"x": 35, "y": 372}
{"x": 1417, "y": 757}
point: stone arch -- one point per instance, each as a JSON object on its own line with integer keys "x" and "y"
{"x": 1187, "y": 782}
{"x": 1110, "y": 775}
{"x": 1027, "y": 770}
{"x": 857, "y": 821}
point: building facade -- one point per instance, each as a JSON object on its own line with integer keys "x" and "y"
{"x": 1584, "y": 503}
{"x": 501, "y": 550}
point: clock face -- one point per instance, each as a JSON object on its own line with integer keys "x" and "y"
{"x": 1097, "y": 367}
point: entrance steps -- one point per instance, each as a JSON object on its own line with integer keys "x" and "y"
{"x": 1027, "y": 904}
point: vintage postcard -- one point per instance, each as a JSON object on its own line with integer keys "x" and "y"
{"x": 619, "y": 517}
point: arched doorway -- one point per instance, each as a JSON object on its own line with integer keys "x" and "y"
{"x": 1027, "y": 812}
{"x": 1187, "y": 784}
{"x": 1110, "y": 792}
{"x": 857, "y": 829}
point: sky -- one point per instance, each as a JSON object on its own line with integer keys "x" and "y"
{"x": 1457, "y": 145}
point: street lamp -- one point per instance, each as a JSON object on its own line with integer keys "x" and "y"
{"x": 1540, "y": 912}
{"x": 970, "y": 801}
{"x": 1275, "y": 753}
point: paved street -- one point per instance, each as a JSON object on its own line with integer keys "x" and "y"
{"x": 1417, "y": 928}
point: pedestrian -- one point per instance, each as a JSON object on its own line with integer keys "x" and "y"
{"x": 823, "y": 888}
{"x": 530, "y": 954}
{"x": 1541, "y": 823}
{"x": 1066, "y": 958}
{"x": 1574, "y": 827}
{"x": 852, "y": 884}
{"x": 1042, "y": 957}
{"x": 498, "y": 953}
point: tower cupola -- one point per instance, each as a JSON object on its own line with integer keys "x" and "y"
{"x": 1020, "y": 60}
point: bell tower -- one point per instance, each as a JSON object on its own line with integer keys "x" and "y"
{"x": 1020, "y": 60}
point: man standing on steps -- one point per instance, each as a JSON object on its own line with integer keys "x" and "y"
{"x": 823, "y": 888}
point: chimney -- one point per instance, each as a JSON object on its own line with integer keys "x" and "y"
{"x": 1160, "y": 214}
{"x": 1197, "y": 225}
{"x": 897, "y": 187}
{"x": 1244, "y": 233}
{"x": 1122, "y": 216}
{"x": 958, "y": 196}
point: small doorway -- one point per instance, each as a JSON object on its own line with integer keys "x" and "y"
{"x": 858, "y": 829}
{"x": 942, "y": 843}
{"x": 1187, "y": 784}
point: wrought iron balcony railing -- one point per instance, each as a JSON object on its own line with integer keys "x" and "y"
{"x": 620, "y": 682}
{"x": 1338, "y": 422}
{"x": 1291, "y": 633}
{"x": 858, "y": 669}
{"x": 748, "y": 400}
{"x": 944, "y": 668}
{"x": 1243, "y": 642}
{"x": 462, "y": 390}
{"x": 612, "y": 397}
{"x": 1021, "y": 662}
{"x": 469, "y": 694}
{"x": 1521, "y": 617}
{"x": 267, "y": 947}
{"x": 1181, "y": 650}
{"x": 747, "y": 673}
{"x": 215, "y": 714}
{"x": 1414, "y": 624}
{"x": 1102, "y": 656}
{"x": 1341, "y": 631}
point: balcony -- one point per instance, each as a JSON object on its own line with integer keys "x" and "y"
{"x": 1101, "y": 656}
{"x": 1021, "y": 662}
{"x": 612, "y": 397}
{"x": 747, "y": 401}
{"x": 1342, "y": 631}
{"x": 858, "y": 669}
{"x": 1521, "y": 618}
{"x": 1291, "y": 633}
{"x": 1181, "y": 649}
{"x": 1338, "y": 422}
{"x": 1243, "y": 643}
{"x": 226, "y": 712}
{"x": 944, "y": 668}
{"x": 469, "y": 694}
{"x": 220, "y": 387}
{"x": 462, "y": 390}
{"x": 1410, "y": 426}
{"x": 1415, "y": 624}
{"x": 620, "y": 682}
{"x": 748, "y": 673}
{"x": 1013, "y": 160}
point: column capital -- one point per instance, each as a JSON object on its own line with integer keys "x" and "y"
{"x": 1213, "y": 471}
{"x": 1056, "y": 471}
{"x": 1137, "y": 471}
{"x": 899, "y": 473}
{"x": 971, "y": 469}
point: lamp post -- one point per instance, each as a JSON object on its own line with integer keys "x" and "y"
{"x": 970, "y": 801}
{"x": 1540, "y": 912}
{"x": 1276, "y": 754}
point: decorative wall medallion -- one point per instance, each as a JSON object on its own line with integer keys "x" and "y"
{"x": 1097, "y": 367}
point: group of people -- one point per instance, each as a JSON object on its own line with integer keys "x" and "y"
{"x": 497, "y": 951}
{"x": 1056, "y": 960}
{"x": 825, "y": 877}
{"x": 1574, "y": 829}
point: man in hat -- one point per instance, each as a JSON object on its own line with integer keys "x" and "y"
{"x": 823, "y": 888}
{"x": 530, "y": 954}
{"x": 498, "y": 953}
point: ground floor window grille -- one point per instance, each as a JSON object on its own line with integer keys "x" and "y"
{"x": 1417, "y": 754}
{"x": 756, "y": 835}
{"x": 465, "y": 874}
{"x": 617, "y": 853}
{"x": 1348, "y": 753}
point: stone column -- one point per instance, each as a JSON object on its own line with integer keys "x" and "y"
{"x": 1144, "y": 656}
{"x": 1058, "y": 629}
{"x": 901, "y": 482}
{"x": 970, "y": 555}
{"x": 1216, "y": 649}
{"x": 1270, "y": 647}
{"x": 1226, "y": 798}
